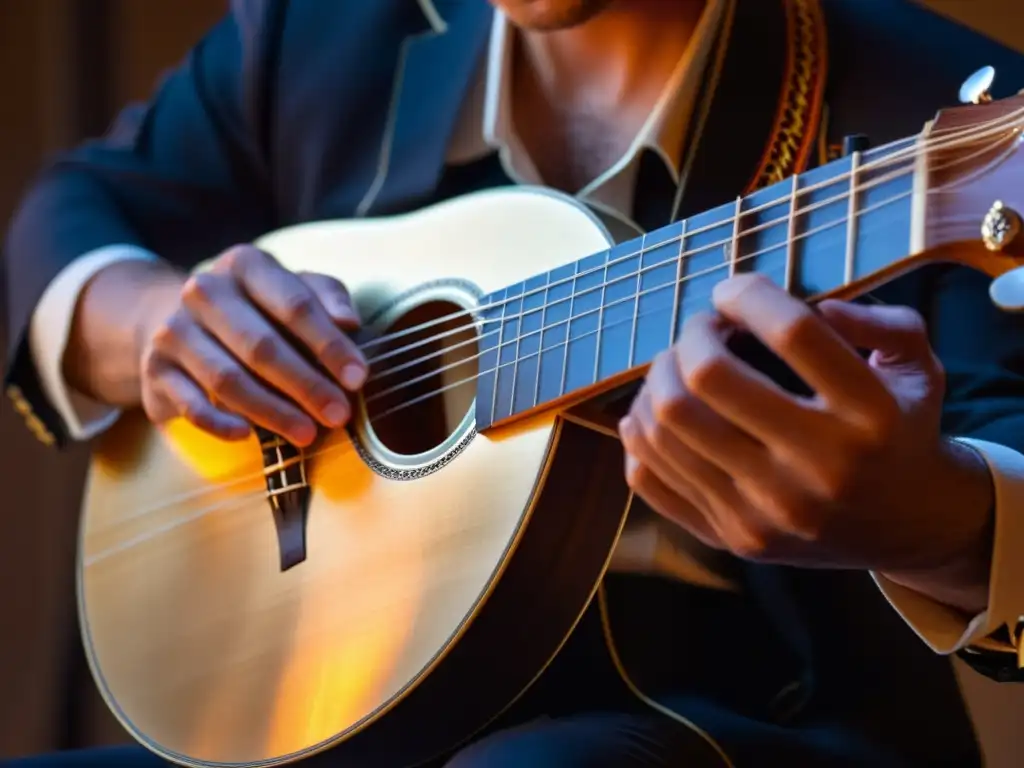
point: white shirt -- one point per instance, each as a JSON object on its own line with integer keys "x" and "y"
{"x": 485, "y": 126}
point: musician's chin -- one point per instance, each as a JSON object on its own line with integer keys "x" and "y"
{"x": 550, "y": 15}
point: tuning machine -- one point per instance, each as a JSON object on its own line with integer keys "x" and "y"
{"x": 977, "y": 89}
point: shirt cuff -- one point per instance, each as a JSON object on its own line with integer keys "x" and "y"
{"x": 943, "y": 628}
{"x": 48, "y": 333}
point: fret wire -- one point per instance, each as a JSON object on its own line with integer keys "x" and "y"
{"x": 636, "y": 301}
{"x": 600, "y": 313}
{"x": 568, "y": 328}
{"x": 851, "y": 220}
{"x": 885, "y": 161}
{"x": 810, "y": 208}
{"x": 791, "y": 234}
{"x": 734, "y": 244}
{"x": 497, "y": 370}
{"x": 515, "y": 355}
{"x": 540, "y": 341}
{"x": 679, "y": 284}
{"x": 880, "y": 205}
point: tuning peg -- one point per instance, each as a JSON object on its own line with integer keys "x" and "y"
{"x": 1007, "y": 290}
{"x": 976, "y": 88}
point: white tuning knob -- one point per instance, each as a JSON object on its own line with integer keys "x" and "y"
{"x": 1007, "y": 290}
{"x": 976, "y": 88}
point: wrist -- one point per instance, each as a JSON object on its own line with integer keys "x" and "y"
{"x": 960, "y": 502}
{"x": 115, "y": 313}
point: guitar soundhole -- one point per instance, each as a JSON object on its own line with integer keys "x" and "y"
{"x": 422, "y": 382}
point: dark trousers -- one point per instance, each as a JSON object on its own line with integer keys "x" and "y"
{"x": 689, "y": 649}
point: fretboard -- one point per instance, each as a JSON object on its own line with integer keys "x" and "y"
{"x": 591, "y": 322}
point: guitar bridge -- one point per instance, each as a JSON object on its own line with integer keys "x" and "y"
{"x": 288, "y": 492}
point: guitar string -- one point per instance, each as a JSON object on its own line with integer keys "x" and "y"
{"x": 722, "y": 266}
{"x": 347, "y": 445}
{"x": 683, "y": 256}
{"x": 634, "y": 297}
{"x": 227, "y": 504}
{"x": 915, "y": 149}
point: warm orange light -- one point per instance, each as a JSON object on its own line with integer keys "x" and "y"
{"x": 210, "y": 457}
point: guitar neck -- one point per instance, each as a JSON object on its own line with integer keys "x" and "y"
{"x": 595, "y": 323}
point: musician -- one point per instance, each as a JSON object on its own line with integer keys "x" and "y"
{"x": 827, "y": 528}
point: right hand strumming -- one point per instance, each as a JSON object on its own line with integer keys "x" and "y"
{"x": 218, "y": 358}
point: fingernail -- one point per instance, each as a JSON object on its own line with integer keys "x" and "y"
{"x": 336, "y": 414}
{"x": 625, "y": 424}
{"x": 353, "y": 376}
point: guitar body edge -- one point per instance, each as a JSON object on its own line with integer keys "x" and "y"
{"x": 437, "y": 586}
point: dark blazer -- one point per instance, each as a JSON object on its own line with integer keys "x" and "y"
{"x": 296, "y": 110}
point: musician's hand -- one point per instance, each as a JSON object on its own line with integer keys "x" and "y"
{"x": 857, "y": 476}
{"x": 216, "y": 358}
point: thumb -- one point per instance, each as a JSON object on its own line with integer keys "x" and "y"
{"x": 895, "y": 335}
{"x": 335, "y": 299}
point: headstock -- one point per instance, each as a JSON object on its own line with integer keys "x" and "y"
{"x": 971, "y": 166}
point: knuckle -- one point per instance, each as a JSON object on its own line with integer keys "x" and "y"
{"x": 202, "y": 288}
{"x": 702, "y": 377}
{"x": 170, "y": 333}
{"x": 239, "y": 257}
{"x": 796, "y": 333}
{"x": 333, "y": 351}
{"x": 663, "y": 407}
{"x": 164, "y": 338}
{"x": 317, "y": 393}
{"x": 298, "y": 307}
{"x": 260, "y": 349}
{"x": 225, "y": 381}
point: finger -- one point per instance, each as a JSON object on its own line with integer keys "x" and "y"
{"x": 683, "y": 416}
{"x": 221, "y": 309}
{"x": 229, "y": 384}
{"x": 791, "y": 329}
{"x": 173, "y": 394}
{"x": 669, "y": 503}
{"x": 291, "y": 302}
{"x": 687, "y": 474}
{"x": 335, "y": 298}
{"x": 747, "y": 398}
{"x": 898, "y": 335}
{"x": 674, "y": 461}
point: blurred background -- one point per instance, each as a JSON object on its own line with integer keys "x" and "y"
{"x": 66, "y": 66}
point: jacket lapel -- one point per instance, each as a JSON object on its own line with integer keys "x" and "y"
{"x": 435, "y": 70}
{"x": 757, "y": 119}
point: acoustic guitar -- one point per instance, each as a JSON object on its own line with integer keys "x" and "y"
{"x": 391, "y": 590}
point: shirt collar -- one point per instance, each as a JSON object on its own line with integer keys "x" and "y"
{"x": 664, "y": 132}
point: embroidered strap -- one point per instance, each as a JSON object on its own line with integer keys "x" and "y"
{"x": 795, "y": 134}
